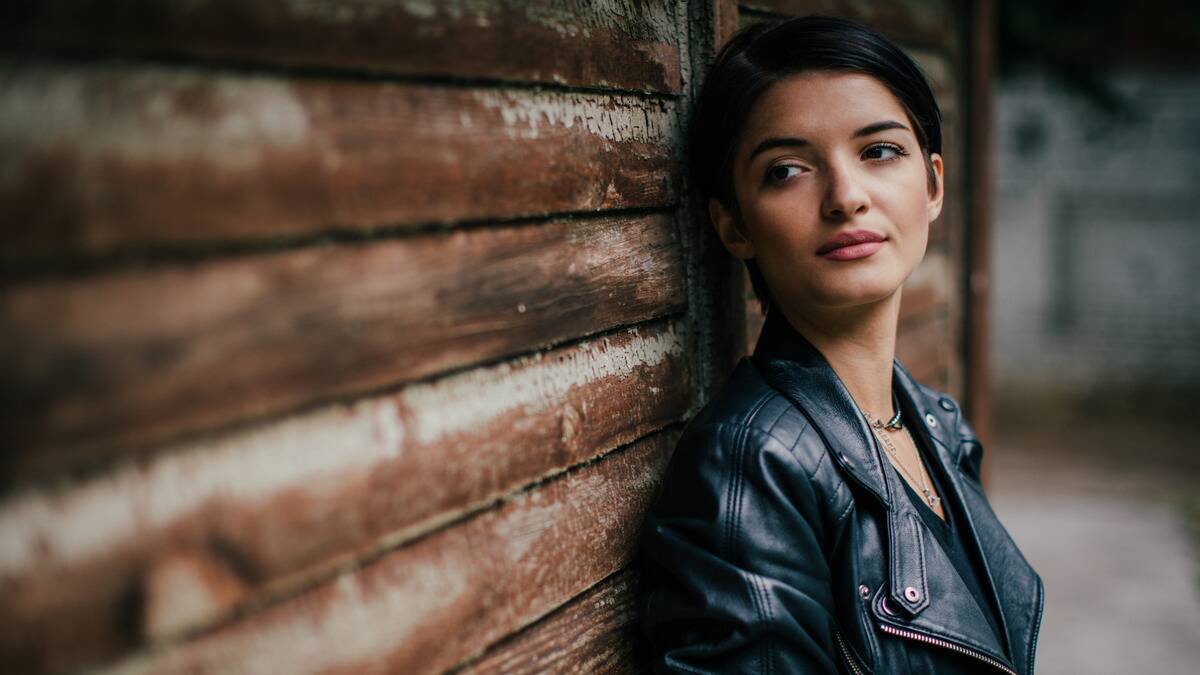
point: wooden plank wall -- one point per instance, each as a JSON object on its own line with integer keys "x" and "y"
{"x": 354, "y": 336}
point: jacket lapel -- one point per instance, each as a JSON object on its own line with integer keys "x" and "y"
{"x": 1012, "y": 582}
{"x": 939, "y": 602}
{"x": 924, "y": 591}
{"x": 797, "y": 369}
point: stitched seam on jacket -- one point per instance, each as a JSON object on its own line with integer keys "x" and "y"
{"x": 817, "y": 468}
{"x": 1036, "y": 627}
{"x": 733, "y": 511}
{"x": 740, "y": 456}
{"x": 834, "y": 494}
{"x": 733, "y": 494}
{"x": 762, "y": 605}
{"x": 921, "y": 551}
{"x": 895, "y": 560}
{"x": 846, "y": 511}
{"x": 783, "y": 411}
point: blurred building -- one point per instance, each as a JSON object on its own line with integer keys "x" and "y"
{"x": 1097, "y": 237}
{"x": 1096, "y": 229}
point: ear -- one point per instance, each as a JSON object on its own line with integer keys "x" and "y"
{"x": 727, "y": 229}
{"x": 939, "y": 193}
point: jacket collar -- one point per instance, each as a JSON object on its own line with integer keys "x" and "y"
{"x": 942, "y": 605}
{"x": 795, "y": 367}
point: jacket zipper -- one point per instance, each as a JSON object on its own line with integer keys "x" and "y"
{"x": 846, "y": 653}
{"x": 921, "y": 637}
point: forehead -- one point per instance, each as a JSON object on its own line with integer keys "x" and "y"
{"x": 819, "y": 103}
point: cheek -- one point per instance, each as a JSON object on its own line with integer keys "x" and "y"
{"x": 782, "y": 216}
{"x": 910, "y": 205}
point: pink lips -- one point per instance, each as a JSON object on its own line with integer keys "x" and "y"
{"x": 852, "y": 245}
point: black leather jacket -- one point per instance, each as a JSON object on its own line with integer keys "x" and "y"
{"x": 779, "y": 544}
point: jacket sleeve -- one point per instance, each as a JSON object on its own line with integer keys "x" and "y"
{"x": 734, "y": 578}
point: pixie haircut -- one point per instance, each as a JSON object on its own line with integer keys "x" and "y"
{"x": 762, "y": 54}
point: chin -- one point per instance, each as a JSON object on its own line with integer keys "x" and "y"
{"x": 853, "y": 297}
{"x": 857, "y": 293}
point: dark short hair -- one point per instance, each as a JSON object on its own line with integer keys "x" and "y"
{"x": 762, "y": 54}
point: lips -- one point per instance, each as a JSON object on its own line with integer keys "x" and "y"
{"x": 852, "y": 239}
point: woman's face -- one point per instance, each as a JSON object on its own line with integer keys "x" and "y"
{"x": 830, "y": 159}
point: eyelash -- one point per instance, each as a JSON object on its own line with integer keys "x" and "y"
{"x": 900, "y": 152}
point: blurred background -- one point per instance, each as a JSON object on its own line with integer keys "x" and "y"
{"x": 354, "y": 336}
{"x": 1095, "y": 359}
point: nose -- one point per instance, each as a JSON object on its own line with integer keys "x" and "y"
{"x": 845, "y": 197}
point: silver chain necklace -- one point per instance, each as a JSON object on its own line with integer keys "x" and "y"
{"x": 880, "y": 428}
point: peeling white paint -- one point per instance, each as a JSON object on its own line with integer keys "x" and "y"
{"x": 361, "y": 621}
{"x": 152, "y": 115}
{"x": 373, "y": 615}
{"x": 462, "y": 402}
{"x": 615, "y": 118}
{"x": 478, "y": 10}
{"x": 39, "y": 528}
{"x": 45, "y": 530}
{"x": 630, "y": 18}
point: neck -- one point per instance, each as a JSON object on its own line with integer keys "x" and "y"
{"x": 859, "y": 343}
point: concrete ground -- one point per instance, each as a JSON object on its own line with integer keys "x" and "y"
{"x": 1109, "y": 515}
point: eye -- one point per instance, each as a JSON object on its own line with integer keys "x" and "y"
{"x": 782, "y": 172}
{"x": 884, "y": 152}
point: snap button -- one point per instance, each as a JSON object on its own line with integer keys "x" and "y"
{"x": 931, "y": 420}
{"x": 863, "y": 591}
{"x": 946, "y": 404}
{"x": 911, "y": 594}
{"x": 887, "y": 607}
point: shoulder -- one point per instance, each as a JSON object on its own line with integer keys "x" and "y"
{"x": 749, "y": 458}
{"x": 749, "y": 406}
{"x": 749, "y": 427}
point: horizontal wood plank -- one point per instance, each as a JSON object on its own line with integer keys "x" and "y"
{"x": 126, "y": 359}
{"x": 441, "y": 600}
{"x": 611, "y": 43}
{"x": 199, "y": 530}
{"x": 595, "y": 633}
{"x": 101, "y": 158}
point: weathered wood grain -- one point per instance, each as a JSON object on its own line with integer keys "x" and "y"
{"x": 125, "y": 359}
{"x": 109, "y": 157}
{"x": 595, "y": 633}
{"x": 927, "y": 347}
{"x": 609, "y": 43}
{"x": 441, "y": 600}
{"x": 194, "y": 532}
{"x": 924, "y": 23}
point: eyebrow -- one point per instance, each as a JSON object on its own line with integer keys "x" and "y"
{"x": 878, "y": 127}
{"x": 797, "y": 142}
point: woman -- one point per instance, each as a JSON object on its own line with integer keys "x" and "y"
{"x": 823, "y": 513}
